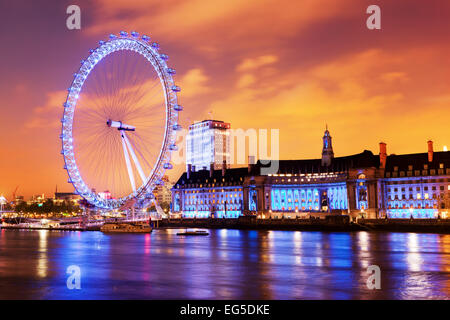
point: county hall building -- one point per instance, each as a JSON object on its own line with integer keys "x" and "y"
{"x": 363, "y": 184}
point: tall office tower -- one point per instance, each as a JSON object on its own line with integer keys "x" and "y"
{"x": 208, "y": 145}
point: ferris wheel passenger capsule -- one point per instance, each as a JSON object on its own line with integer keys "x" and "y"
{"x": 176, "y": 88}
{"x": 101, "y": 42}
{"x": 173, "y": 147}
{"x": 171, "y": 71}
{"x": 135, "y": 34}
{"x": 164, "y": 56}
{"x": 123, "y": 33}
{"x": 145, "y": 38}
{"x": 177, "y": 127}
{"x": 112, "y": 36}
{"x": 155, "y": 45}
{"x": 178, "y": 108}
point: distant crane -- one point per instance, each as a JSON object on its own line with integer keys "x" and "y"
{"x": 14, "y": 194}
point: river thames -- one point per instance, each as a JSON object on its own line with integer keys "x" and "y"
{"x": 227, "y": 264}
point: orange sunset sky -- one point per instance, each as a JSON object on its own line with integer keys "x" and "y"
{"x": 287, "y": 65}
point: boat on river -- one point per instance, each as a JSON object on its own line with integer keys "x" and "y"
{"x": 129, "y": 227}
{"x": 193, "y": 233}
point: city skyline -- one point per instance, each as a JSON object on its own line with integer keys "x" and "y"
{"x": 295, "y": 74}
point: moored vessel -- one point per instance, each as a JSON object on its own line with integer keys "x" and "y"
{"x": 193, "y": 233}
{"x": 121, "y": 227}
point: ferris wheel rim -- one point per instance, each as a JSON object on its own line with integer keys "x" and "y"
{"x": 142, "y": 46}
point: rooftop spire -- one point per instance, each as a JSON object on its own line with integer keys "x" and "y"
{"x": 327, "y": 149}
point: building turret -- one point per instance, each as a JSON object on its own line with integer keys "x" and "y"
{"x": 430, "y": 151}
{"x": 383, "y": 155}
{"x": 327, "y": 150}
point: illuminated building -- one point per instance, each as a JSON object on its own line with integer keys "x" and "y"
{"x": 36, "y": 199}
{"x": 364, "y": 184}
{"x": 162, "y": 192}
{"x": 18, "y": 200}
{"x": 207, "y": 144}
{"x": 3, "y": 202}
{"x": 417, "y": 185}
{"x": 61, "y": 198}
{"x": 210, "y": 193}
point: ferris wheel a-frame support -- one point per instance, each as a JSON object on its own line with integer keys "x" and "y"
{"x": 126, "y": 146}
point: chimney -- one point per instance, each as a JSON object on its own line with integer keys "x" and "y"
{"x": 430, "y": 151}
{"x": 193, "y": 168}
{"x": 189, "y": 169}
{"x": 251, "y": 163}
{"x": 211, "y": 169}
{"x": 224, "y": 167}
{"x": 383, "y": 155}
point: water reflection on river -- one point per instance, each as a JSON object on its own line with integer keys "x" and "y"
{"x": 227, "y": 264}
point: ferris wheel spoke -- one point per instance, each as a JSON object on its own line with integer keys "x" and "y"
{"x": 147, "y": 164}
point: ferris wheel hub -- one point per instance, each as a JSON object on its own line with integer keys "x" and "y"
{"x": 119, "y": 125}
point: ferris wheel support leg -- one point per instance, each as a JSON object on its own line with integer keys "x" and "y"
{"x": 159, "y": 210}
{"x": 135, "y": 159}
{"x": 127, "y": 160}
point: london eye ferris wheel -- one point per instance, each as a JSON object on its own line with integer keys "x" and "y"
{"x": 120, "y": 121}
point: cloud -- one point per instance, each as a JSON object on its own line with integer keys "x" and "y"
{"x": 353, "y": 94}
{"x": 47, "y": 115}
{"x": 246, "y": 80}
{"x": 255, "y": 63}
{"x": 394, "y": 76}
{"x": 194, "y": 82}
{"x": 202, "y": 22}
